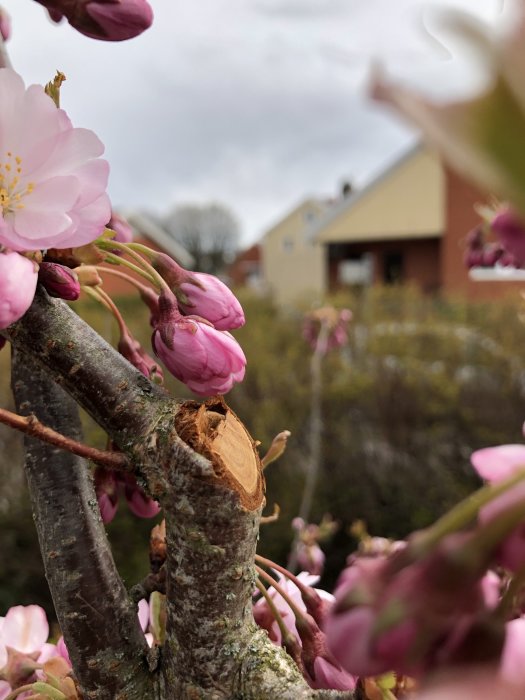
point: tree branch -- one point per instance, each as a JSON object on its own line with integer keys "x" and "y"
{"x": 119, "y": 398}
{"x": 100, "y": 625}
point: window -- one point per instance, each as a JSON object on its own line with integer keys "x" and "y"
{"x": 393, "y": 267}
{"x": 287, "y": 244}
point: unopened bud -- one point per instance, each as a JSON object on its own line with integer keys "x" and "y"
{"x": 5, "y": 24}
{"x": 276, "y": 449}
{"x": 123, "y": 231}
{"x": 59, "y": 281}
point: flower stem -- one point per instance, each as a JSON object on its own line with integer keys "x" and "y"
{"x": 106, "y": 301}
{"x": 144, "y": 264}
{"x": 461, "y": 515}
{"x": 123, "y": 276}
{"x": 280, "y": 590}
{"x": 117, "y": 260}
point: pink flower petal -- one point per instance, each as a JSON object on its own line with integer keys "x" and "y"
{"x": 498, "y": 463}
{"x": 25, "y": 628}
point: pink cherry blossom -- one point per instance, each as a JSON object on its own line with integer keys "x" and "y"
{"x": 498, "y": 463}
{"x": 123, "y": 231}
{"x": 212, "y": 300}
{"x": 24, "y": 628}
{"x": 52, "y": 182}
{"x": 18, "y": 278}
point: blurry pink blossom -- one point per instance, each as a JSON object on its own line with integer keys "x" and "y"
{"x": 52, "y": 183}
{"x": 18, "y": 279}
{"x": 123, "y": 231}
{"x": 396, "y": 614}
{"x": 496, "y": 464}
{"x": 208, "y": 361}
{"x": 326, "y": 328}
{"x": 110, "y": 20}
{"x": 310, "y": 557}
{"x": 264, "y": 617}
{"x": 510, "y": 231}
{"x": 5, "y": 24}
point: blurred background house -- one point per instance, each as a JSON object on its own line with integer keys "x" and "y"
{"x": 408, "y": 225}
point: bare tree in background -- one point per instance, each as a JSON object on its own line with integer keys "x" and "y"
{"x": 210, "y": 232}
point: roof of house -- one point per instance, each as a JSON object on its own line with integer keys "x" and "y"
{"x": 144, "y": 224}
{"x": 427, "y": 224}
{"x": 317, "y": 202}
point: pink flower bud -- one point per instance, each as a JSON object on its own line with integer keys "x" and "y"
{"x": 110, "y": 20}
{"x": 311, "y": 558}
{"x": 18, "y": 278}
{"x": 208, "y": 361}
{"x": 123, "y": 231}
{"x": 109, "y": 485}
{"x": 106, "y": 488}
{"x": 200, "y": 294}
{"x": 139, "y": 503}
{"x": 5, "y": 24}
{"x": 212, "y": 300}
{"x": 59, "y": 281}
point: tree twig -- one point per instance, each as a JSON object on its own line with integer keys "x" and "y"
{"x": 30, "y": 425}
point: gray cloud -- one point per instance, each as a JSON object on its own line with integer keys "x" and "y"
{"x": 255, "y": 104}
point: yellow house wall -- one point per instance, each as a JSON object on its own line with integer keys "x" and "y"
{"x": 408, "y": 203}
{"x": 293, "y": 265}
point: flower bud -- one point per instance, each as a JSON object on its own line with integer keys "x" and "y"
{"x": 207, "y": 360}
{"x": 5, "y": 24}
{"x": 276, "y": 449}
{"x": 210, "y": 298}
{"x": 18, "y": 278}
{"x": 59, "y": 281}
{"x": 123, "y": 231}
{"x": 110, "y": 20}
{"x": 200, "y": 294}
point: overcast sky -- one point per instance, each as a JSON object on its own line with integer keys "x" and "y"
{"x": 252, "y": 103}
